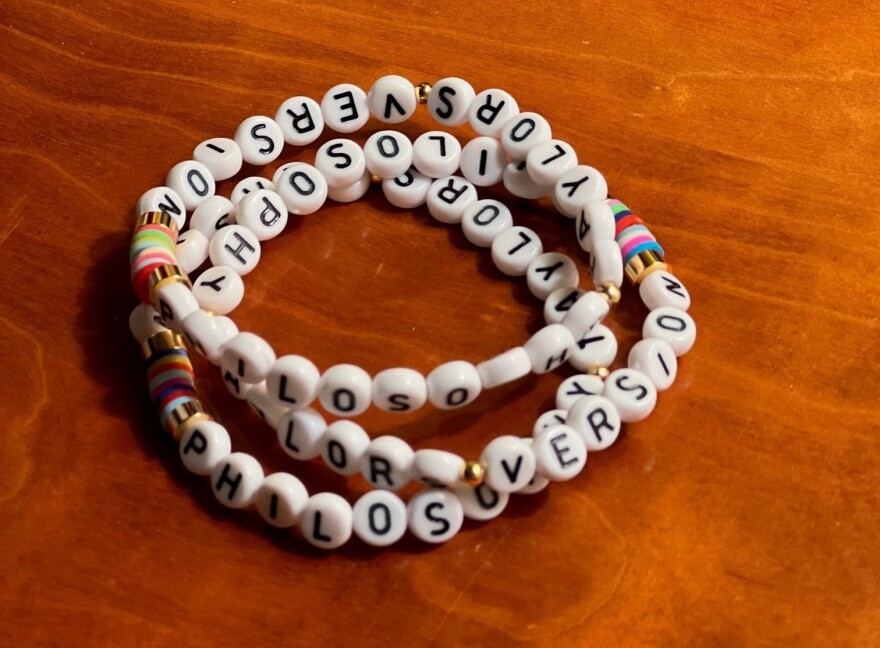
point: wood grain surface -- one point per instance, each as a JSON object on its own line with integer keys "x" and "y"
{"x": 743, "y": 512}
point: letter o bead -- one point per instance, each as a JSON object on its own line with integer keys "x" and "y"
{"x": 481, "y": 502}
{"x": 235, "y": 480}
{"x": 388, "y": 154}
{"x": 509, "y": 462}
{"x": 632, "y": 392}
{"x": 434, "y": 515}
{"x": 192, "y": 181}
{"x": 673, "y": 326}
{"x": 326, "y": 521}
{"x": 302, "y": 188}
{"x": 345, "y": 443}
{"x": 203, "y": 445}
{"x": 597, "y": 420}
{"x": 281, "y": 499}
{"x": 484, "y": 220}
{"x": 380, "y": 518}
{"x": 345, "y": 390}
{"x": 453, "y": 384}
{"x": 560, "y": 453}
{"x": 523, "y": 132}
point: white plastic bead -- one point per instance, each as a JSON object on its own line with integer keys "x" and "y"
{"x": 448, "y": 198}
{"x": 549, "y": 347}
{"x": 509, "y": 462}
{"x": 483, "y": 161}
{"x": 407, "y": 191}
{"x": 246, "y": 358}
{"x": 597, "y": 349}
{"x": 301, "y": 433}
{"x": 192, "y": 181}
{"x": 389, "y": 154}
{"x": 345, "y": 443}
{"x": 326, "y": 521}
{"x": 379, "y": 518}
{"x": 504, "y": 368}
{"x": 392, "y": 99}
{"x": 344, "y": 108}
{"x": 453, "y": 384}
{"x": 263, "y": 406}
{"x": 303, "y": 188}
{"x": 632, "y": 392}
{"x": 436, "y": 154}
{"x": 449, "y": 101}
{"x": 484, "y": 220}
{"x": 263, "y": 212}
{"x": 354, "y": 191}
{"x": 260, "y": 139}
{"x": 144, "y": 321}
{"x": 560, "y": 453}
{"x": 203, "y": 445}
{"x": 235, "y": 480}
{"x": 535, "y": 485}
{"x": 514, "y": 249}
{"x": 247, "y": 185}
{"x": 345, "y": 390}
{"x": 553, "y": 417}
{"x": 521, "y": 133}
{"x": 437, "y": 467}
{"x": 292, "y": 381}
{"x": 588, "y": 311}
{"x": 549, "y": 272}
{"x": 221, "y": 155}
{"x": 559, "y": 302}
{"x": 673, "y": 326}
{"x": 434, "y": 515}
{"x": 399, "y": 390}
{"x": 387, "y": 463}
{"x": 235, "y": 247}
{"x": 281, "y": 499}
{"x": 278, "y": 176}
{"x": 174, "y": 302}
{"x": 191, "y": 250}
{"x": 549, "y": 160}
{"x": 207, "y": 333}
{"x": 595, "y": 222}
{"x": 219, "y": 289}
{"x": 481, "y": 502}
{"x": 163, "y": 199}
{"x": 661, "y": 288}
{"x": 606, "y": 264}
{"x": 577, "y": 186}
{"x": 213, "y": 214}
{"x": 519, "y": 183}
{"x": 597, "y": 420}
{"x": 300, "y": 120}
{"x": 576, "y": 387}
{"x": 490, "y": 110}
{"x": 341, "y": 162}
{"x": 656, "y": 359}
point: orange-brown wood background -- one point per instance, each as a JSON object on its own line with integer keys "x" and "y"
{"x": 743, "y": 512}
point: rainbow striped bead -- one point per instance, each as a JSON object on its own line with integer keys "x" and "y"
{"x": 631, "y": 234}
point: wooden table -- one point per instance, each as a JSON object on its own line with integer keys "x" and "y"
{"x": 743, "y": 512}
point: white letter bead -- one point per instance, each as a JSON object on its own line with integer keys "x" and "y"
{"x": 514, "y": 249}
{"x": 481, "y": 502}
{"x": 174, "y": 302}
{"x": 549, "y": 160}
{"x": 163, "y": 199}
{"x": 203, "y": 445}
{"x": 449, "y": 101}
{"x": 392, "y": 99}
{"x": 221, "y": 155}
{"x": 302, "y": 188}
{"x": 354, "y": 191}
{"x": 590, "y": 309}
{"x": 191, "y": 250}
{"x": 208, "y": 333}
{"x": 292, "y": 381}
{"x": 483, "y": 161}
{"x": 263, "y": 212}
{"x": 301, "y": 433}
{"x": 144, "y": 321}
{"x": 632, "y": 392}
{"x": 559, "y": 302}
{"x": 244, "y": 187}
{"x": 341, "y": 161}
{"x": 576, "y": 387}
{"x": 606, "y": 264}
{"x": 388, "y": 154}
{"x": 595, "y": 222}
{"x": 597, "y": 420}
{"x": 235, "y": 480}
{"x": 549, "y": 348}
{"x": 553, "y": 417}
{"x": 387, "y": 463}
{"x": 519, "y": 183}
{"x": 434, "y": 515}
{"x": 551, "y": 271}
{"x": 263, "y": 406}
{"x": 656, "y": 359}
{"x": 345, "y": 390}
{"x": 281, "y": 499}
{"x": 436, "y": 154}
{"x": 560, "y": 453}
{"x": 213, "y": 214}
{"x": 504, "y": 368}
{"x": 577, "y": 186}
{"x": 219, "y": 289}
{"x": 379, "y": 518}
{"x": 536, "y": 485}
{"x": 437, "y": 467}
{"x": 661, "y": 288}
{"x": 399, "y": 390}
{"x": 326, "y": 521}
{"x": 247, "y": 357}
{"x": 235, "y": 247}
{"x": 484, "y": 220}
{"x": 345, "y": 443}
{"x": 522, "y": 133}
{"x": 448, "y": 198}
{"x": 260, "y": 139}
{"x": 453, "y": 384}
{"x": 300, "y": 120}
{"x": 344, "y": 108}
{"x": 192, "y": 181}
{"x": 509, "y": 462}
{"x": 597, "y": 349}
{"x": 490, "y": 110}
{"x": 407, "y": 191}
{"x": 673, "y": 326}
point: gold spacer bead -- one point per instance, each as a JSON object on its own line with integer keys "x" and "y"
{"x": 184, "y": 416}
{"x": 422, "y": 92}
{"x": 165, "y": 274}
{"x": 473, "y": 473}
{"x": 161, "y": 341}
{"x": 602, "y": 372}
{"x": 610, "y": 293}
{"x": 157, "y": 218}
{"x": 374, "y": 179}
{"x": 643, "y": 264}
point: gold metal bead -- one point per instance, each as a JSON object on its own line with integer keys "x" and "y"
{"x": 422, "y": 92}
{"x": 157, "y": 218}
{"x": 473, "y": 473}
{"x": 161, "y": 341}
{"x": 643, "y": 264}
{"x": 375, "y": 179}
{"x": 185, "y": 415}
{"x": 165, "y": 274}
{"x": 610, "y": 293}
{"x": 602, "y": 372}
